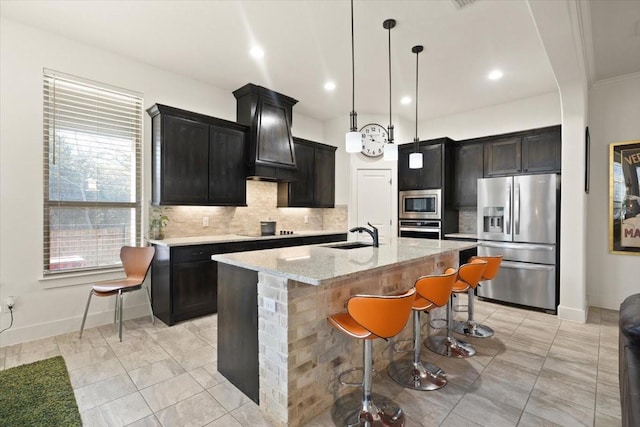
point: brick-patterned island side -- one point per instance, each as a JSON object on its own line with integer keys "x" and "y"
{"x": 274, "y": 342}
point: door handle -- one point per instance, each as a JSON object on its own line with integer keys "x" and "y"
{"x": 508, "y": 220}
{"x": 516, "y": 209}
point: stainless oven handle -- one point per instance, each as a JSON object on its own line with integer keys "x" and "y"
{"x": 421, "y": 230}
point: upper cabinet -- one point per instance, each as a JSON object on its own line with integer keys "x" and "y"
{"x": 268, "y": 115}
{"x": 432, "y": 175}
{"x": 468, "y": 167}
{"x": 525, "y": 152}
{"x": 314, "y": 183}
{"x": 196, "y": 159}
{"x": 535, "y": 151}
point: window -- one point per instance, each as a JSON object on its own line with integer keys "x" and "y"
{"x": 92, "y": 173}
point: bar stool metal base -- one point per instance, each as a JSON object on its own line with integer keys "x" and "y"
{"x": 472, "y": 329}
{"x": 349, "y": 410}
{"x": 449, "y": 346}
{"x": 417, "y": 376}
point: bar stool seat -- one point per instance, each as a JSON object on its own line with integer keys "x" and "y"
{"x": 431, "y": 292}
{"x": 470, "y": 327}
{"x": 369, "y": 317}
{"x": 448, "y": 345}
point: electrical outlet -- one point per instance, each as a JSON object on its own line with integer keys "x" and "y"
{"x": 306, "y": 219}
{"x": 270, "y": 304}
{"x": 205, "y": 221}
{"x": 10, "y": 303}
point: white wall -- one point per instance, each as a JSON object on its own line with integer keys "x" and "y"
{"x": 529, "y": 113}
{"x": 50, "y": 307}
{"x": 614, "y": 116}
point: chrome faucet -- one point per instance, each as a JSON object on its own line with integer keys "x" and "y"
{"x": 373, "y": 232}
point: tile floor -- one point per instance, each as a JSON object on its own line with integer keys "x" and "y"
{"x": 536, "y": 371}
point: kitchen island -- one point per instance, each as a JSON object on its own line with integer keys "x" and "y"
{"x": 274, "y": 342}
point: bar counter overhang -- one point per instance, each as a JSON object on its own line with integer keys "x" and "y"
{"x": 288, "y": 359}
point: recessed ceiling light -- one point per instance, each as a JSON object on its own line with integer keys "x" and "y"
{"x": 495, "y": 75}
{"x": 329, "y": 86}
{"x": 405, "y": 100}
{"x": 256, "y": 52}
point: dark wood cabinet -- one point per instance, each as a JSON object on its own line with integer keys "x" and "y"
{"x": 431, "y": 175}
{"x": 542, "y": 152}
{"x": 533, "y": 151}
{"x": 314, "y": 183}
{"x": 468, "y": 167}
{"x": 184, "y": 280}
{"x": 196, "y": 159}
{"x": 503, "y": 156}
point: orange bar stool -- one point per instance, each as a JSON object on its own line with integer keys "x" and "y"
{"x": 470, "y": 327}
{"x": 448, "y": 345}
{"x": 432, "y": 291}
{"x": 369, "y": 317}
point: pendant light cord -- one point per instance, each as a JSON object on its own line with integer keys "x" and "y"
{"x": 416, "y": 138}
{"x": 390, "y": 122}
{"x": 388, "y": 25}
{"x": 353, "y": 115}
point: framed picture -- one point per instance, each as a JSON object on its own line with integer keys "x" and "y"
{"x": 624, "y": 197}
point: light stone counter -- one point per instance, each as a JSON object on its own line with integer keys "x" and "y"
{"x": 226, "y": 238}
{"x": 319, "y": 264}
{"x": 299, "y": 354}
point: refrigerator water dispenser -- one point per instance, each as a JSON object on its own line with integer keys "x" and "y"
{"x": 493, "y": 220}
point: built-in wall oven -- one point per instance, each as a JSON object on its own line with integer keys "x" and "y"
{"x": 420, "y": 204}
{"x": 422, "y": 229}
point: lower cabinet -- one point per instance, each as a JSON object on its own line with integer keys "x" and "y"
{"x": 184, "y": 280}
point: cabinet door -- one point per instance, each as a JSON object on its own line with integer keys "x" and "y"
{"x": 542, "y": 152}
{"x": 325, "y": 176}
{"x": 227, "y": 169}
{"x": 408, "y": 179}
{"x": 468, "y": 167}
{"x": 502, "y": 157}
{"x": 185, "y": 164}
{"x": 301, "y": 190}
{"x": 431, "y": 172}
{"x": 194, "y": 289}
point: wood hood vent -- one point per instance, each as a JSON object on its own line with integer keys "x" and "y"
{"x": 271, "y": 155}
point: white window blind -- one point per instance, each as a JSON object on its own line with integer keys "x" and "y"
{"x": 92, "y": 173}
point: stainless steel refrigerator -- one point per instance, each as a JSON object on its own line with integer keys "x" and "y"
{"x": 518, "y": 218}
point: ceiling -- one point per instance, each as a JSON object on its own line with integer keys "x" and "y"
{"x": 307, "y": 43}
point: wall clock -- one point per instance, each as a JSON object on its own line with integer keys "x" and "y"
{"x": 374, "y": 137}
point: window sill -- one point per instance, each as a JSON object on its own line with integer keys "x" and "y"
{"x": 61, "y": 280}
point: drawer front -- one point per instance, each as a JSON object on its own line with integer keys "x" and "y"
{"x": 192, "y": 253}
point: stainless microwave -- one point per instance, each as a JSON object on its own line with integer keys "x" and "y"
{"x": 420, "y": 204}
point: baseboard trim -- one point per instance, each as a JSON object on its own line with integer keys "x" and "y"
{"x": 63, "y": 326}
{"x": 573, "y": 314}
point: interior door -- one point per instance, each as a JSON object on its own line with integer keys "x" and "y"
{"x": 374, "y": 201}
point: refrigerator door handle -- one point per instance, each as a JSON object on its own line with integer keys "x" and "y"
{"x": 516, "y": 209}
{"x": 508, "y": 216}
{"x": 525, "y": 266}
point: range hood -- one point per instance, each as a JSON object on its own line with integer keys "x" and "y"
{"x": 271, "y": 155}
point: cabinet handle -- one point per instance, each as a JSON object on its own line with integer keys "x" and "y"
{"x": 197, "y": 253}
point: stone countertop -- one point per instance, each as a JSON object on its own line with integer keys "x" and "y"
{"x": 462, "y": 236}
{"x": 226, "y": 238}
{"x": 316, "y": 264}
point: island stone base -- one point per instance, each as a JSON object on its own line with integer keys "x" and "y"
{"x": 301, "y": 355}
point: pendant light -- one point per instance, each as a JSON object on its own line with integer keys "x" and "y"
{"x": 390, "y": 149}
{"x": 353, "y": 138}
{"x": 415, "y": 158}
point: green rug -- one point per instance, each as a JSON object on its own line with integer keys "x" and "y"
{"x": 38, "y": 394}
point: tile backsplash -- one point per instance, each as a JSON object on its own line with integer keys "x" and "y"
{"x": 467, "y": 220}
{"x": 187, "y": 221}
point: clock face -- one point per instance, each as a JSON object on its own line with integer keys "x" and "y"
{"x": 374, "y": 137}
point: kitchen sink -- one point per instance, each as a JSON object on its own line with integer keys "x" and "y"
{"x": 350, "y": 245}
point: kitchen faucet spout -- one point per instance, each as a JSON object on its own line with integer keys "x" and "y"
{"x": 373, "y": 233}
